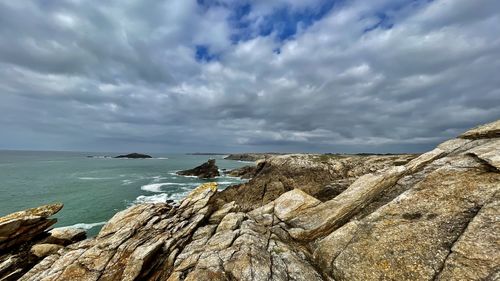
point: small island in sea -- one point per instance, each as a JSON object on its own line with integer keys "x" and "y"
{"x": 134, "y": 156}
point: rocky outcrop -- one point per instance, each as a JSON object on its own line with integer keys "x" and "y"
{"x": 490, "y": 130}
{"x": 138, "y": 243}
{"x": 23, "y": 226}
{"x": 250, "y": 157}
{"x": 431, "y": 217}
{"x": 322, "y": 176}
{"x": 134, "y": 156}
{"x": 246, "y": 172}
{"x": 65, "y": 236}
{"x": 206, "y": 170}
{"x": 24, "y": 239}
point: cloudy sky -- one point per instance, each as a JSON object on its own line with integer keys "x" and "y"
{"x": 231, "y": 75}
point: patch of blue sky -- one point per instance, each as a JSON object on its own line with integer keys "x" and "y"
{"x": 283, "y": 21}
{"x": 203, "y": 54}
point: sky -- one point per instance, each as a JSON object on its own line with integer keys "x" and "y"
{"x": 246, "y": 76}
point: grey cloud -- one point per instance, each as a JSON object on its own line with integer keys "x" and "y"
{"x": 123, "y": 76}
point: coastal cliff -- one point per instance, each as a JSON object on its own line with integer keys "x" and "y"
{"x": 313, "y": 217}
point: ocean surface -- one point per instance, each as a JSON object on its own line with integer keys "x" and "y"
{"x": 94, "y": 189}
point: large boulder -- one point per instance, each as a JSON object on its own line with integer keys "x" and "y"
{"x": 43, "y": 250}
{"x": 65, "y": 235}
{"x": 206, "y": 170}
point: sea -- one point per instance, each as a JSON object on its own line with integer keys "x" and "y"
{"x": 95, "y": 188}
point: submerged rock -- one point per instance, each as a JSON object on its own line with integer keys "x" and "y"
{"x": 206, "y": 170}
{"x": 432, "y": 217}
{"x": 134, "y": 156}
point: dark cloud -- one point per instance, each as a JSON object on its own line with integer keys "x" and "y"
{"x": 352, "y": 76}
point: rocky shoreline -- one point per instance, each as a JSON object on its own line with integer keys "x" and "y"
{"x": 433, "y": 216}
{"x": 250, "y": 157}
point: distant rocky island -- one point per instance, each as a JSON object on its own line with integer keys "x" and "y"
{"x": 305, "y": 217}
{"x": 127, "y": 156}
{"x": 134, "y": 156}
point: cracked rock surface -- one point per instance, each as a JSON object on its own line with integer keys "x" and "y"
{"x": 24, "y": 239}
{"x": 431, "y": 217}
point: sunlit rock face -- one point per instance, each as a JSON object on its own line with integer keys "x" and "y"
{"x": 25, "y": 239}
{"x": 400, "y": 217}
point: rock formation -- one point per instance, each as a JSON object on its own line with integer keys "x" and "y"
{"x": 322, "y": 176}
{"x": 206, "y": 170}
{"x": 251, "y": 157}
{"x": 24, "y": 239}
{"x": 246, "y": 172}
{"x": 431, "y": 217}
{"x": 134, "y": 156}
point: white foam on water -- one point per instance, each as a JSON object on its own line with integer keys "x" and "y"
{"x": 127, "y": 182}
{"x": 156, "y": 187}
{"x": 174, "y": 173}
{"x": 227, "y": 182}
{"x": 100, "y": 157}
{"x": 157, "y": 178}
{"x": 85, "y": 226}
{"x": 158, "y": 198}
{"x": 195, "y": 177}
{"x": 153, "y": 187}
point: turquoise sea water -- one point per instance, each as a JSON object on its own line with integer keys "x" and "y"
{"x": 94, "y": 189}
